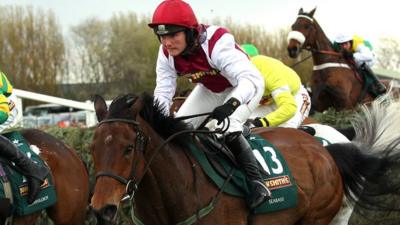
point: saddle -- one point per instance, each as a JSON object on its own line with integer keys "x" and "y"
{"x": 220, "y": 166}
{"x": 214, "y": 148}
{"x": 14, "y": 187}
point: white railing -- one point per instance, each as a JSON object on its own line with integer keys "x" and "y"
{"x": 87, "y": 106}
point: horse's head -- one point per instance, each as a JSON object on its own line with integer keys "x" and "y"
{"x": 302, "y": 34}
{"x": 117, "y": 150}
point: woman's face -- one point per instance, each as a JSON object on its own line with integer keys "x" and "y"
{"x": 174, "y": 43}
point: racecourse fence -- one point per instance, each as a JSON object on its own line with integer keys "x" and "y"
{"x": 85, "y": 118}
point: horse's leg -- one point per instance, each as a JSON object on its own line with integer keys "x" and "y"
{"x": 343, "y": 216}
{"x": 327, "y": 198}
{"x": 316, "y": 102}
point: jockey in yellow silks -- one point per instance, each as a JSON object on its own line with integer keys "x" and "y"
{"x": 357, "y": 51}
{"x": 5, "y": 109}
{"x": 8, "y": 113}
{"x": 286, "y": 102}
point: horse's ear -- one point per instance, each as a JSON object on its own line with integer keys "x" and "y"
{"x": 100, "y": 107}
{"x": 137, "y": 105}
{"x": 130, "y": 100}
{"x": 312, "y": 12}
{"x": 301, "y": 11}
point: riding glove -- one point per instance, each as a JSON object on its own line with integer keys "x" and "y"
{"x": 260, "y": 122}
{"x": 225, "y": 110}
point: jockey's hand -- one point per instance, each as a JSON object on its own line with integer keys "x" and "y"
{"x": 225, "y": 110}
{"x": 347, "y": 54}
{"x": 261, "y": 122}
{"x": 249, "y": 123}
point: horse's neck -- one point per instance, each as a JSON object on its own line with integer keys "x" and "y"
{"x": 322, "y": 43}
{"x": 168, "y": 192}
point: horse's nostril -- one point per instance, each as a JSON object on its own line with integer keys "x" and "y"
{"x": 108, "y": 212}
{"x": 106, "y": 215}
{"x": 293, "y": 52}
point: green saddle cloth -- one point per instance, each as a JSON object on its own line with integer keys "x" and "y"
{"x": 280, "y": 181}
{"x": 19, "y": 185}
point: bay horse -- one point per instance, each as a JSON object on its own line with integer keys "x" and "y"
{"x": 70, "y": 177}
{"x": 334, "y": 82}
{"x": 133, "y": 156}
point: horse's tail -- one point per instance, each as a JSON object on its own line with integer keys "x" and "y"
{"x": 368, "y": 163}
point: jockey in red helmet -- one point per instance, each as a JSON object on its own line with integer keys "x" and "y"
{"x": 173, "y": 16}
{"x": 228, "y": 84}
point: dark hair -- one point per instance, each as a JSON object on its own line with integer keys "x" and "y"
{"x": 194, "y": 38}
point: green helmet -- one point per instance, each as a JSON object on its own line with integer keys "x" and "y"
{"x": 250, "y": 49}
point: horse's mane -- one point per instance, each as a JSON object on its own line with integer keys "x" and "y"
{"x": 152, "y": 113}
{"x": 119, "y": 107}
{"x": 318, "y": 26}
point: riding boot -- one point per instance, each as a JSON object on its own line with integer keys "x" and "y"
{"x": 378, "y": 88}
{"x": 239, "y": 146}
{"x": 33, "y": 172}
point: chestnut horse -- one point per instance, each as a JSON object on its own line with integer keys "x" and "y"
{"x": 334, "y": 82}
{"x": 135, "y": 155}
{"x": 70, "y": 178}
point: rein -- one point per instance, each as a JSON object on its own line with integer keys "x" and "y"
{"x": 132, "y": 183}
{"x": 301, "y": 61}
{"x": 327, "y": 52}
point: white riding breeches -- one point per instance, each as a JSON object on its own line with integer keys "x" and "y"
{"x": 202, "y": 100}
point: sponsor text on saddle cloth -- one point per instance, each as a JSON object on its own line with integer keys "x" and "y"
{"x": 280, "y": 182}
{"x": 19, "y": 185}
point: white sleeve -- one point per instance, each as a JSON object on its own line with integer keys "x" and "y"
{"x": 165, "y": 82}
{"x": 364, "y": 55}
{"x": 237, "y": 69}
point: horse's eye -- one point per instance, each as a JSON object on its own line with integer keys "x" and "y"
{"x": 129, "y": 149}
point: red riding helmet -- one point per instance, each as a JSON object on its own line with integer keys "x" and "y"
{"x": 171, "y": 14}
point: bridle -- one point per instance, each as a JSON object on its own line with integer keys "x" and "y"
{"x": 306, "y": 45}
{"x": 140, "y": 145}
{"x": 132, "y": 182}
